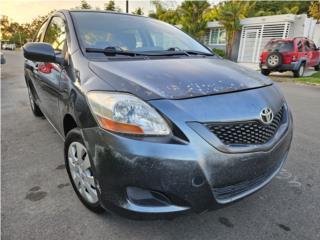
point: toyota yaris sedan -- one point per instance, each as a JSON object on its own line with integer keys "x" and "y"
{"x": 154, "y": 124}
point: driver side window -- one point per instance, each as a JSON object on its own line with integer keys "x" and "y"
{"x": 40, "y": 33}
{"x": 56, "y": 34}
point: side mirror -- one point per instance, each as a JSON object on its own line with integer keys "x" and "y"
{"x": 40, "y": 52}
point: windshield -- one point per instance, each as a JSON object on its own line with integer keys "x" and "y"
{"x": 130, "y": 33}
{"x": 280, "y": 46}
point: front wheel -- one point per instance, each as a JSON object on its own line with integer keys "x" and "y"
{"x": 317, "y": 67}
{"x": 300, "y": 71}
{"x": 34, "y": 107}
{"x": 80, "y": 172}
{"x": 265, "y": 72}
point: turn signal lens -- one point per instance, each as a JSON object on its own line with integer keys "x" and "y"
{"x": 119, "y": 127}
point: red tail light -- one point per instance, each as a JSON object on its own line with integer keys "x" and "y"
{"x": 45, "y": 68}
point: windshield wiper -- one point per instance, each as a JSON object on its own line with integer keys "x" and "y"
{"x": 192, "y": 52}
{"x": 112, "y": 51}
{"x": 189, "y": 52}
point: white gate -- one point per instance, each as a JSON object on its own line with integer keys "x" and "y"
{"x": 255, "y": 37}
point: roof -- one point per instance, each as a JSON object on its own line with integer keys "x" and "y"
{"x": 272, "y": 19}
{"x": 98, "y": 11}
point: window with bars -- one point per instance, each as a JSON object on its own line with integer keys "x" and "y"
{"x": 217, "y": 36}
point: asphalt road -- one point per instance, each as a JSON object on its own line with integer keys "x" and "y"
{"x": 39, "y": 203}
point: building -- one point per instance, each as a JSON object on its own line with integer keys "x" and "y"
{"x": 257, "y": 31}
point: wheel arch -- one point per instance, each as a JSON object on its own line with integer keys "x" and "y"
{"x": 69, "y": 123}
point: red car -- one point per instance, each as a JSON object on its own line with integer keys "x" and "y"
{"x": 293, "y": 54}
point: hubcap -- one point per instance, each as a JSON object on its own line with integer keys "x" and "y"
{"x": 301, "y": 70}
{"x": 81, "y": 173}
{"x": 273, "y": 60}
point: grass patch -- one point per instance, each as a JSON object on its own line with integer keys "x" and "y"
{"x": 313, "y": 79}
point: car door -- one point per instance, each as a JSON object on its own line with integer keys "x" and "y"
{"x": 31, "y": 67}
{"x": 314, "y": 53}
{"x": 49, "y": 74}
{"x": 299, "y": 49}
{"x": 308, "y": 53}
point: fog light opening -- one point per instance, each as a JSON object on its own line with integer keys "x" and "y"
{"x": 148, "y": 198}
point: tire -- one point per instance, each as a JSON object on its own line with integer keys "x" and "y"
{"x": 317, "y": 67}
{"x": 300, "y": 71}
{"x": 34, "y": 107}
{"x": 274, "y": 60}
{"x": 265, "y": 72}
{"x": 80, "y": 171}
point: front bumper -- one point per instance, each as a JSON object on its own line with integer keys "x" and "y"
{"x": 194, "y": 176}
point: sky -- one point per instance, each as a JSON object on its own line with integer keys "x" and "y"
{"x": 23, "y": 11}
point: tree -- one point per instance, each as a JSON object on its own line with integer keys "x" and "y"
{"x": 138, "y": 11}
{"x": 20, "y": 33}
{"x": 162, "y": 13}
{"x": 229, "y": 14}
{"x": 192, "y": 17}
{"x": 110, "y": 6}
{"x": 5, "y": 28}
{"x": 268, "y": 8}
{"x": 84, "y": 5}
{"x": 314, "y": 10}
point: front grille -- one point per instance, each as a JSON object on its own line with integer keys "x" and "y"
{"x": 250, "y": 132}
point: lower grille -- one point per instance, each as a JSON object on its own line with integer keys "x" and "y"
{"x": 228, "y": 193}
{"x": 250, "y": 132}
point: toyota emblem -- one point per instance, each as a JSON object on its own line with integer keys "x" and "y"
{"x": 266, "y": 115}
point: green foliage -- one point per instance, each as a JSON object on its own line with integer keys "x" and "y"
{"x": 219, "y": 52}
{"x": 314, "y": 10}
{"x": 138, "y": 11}
{"x": 192, "y": 17}
{"x": 110, "y": 6}
{"x": 162, "y": 13}
{"x": 84, "y": 5}
{"x": 229, "y": 14}
{"x": 267, "y": 8}
{"x": 20, "y": 33}
{"x": 313, "y": 79}
{"x": 190, "y": 14}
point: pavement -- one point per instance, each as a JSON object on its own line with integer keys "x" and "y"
{"x": 38, "y": 201}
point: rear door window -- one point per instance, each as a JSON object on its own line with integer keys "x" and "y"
{"x": 312, "y": 46}
{"x": 280, "y": 46}
{"x": 307, "y": 46}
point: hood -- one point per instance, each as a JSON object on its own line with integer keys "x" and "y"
{"x": 177, "y": 78}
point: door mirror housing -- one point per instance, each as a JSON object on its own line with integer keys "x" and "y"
{"x": 41, "y": 52}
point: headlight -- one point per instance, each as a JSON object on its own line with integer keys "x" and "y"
{"x": 125, "y": 113}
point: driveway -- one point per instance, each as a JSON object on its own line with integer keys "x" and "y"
{"x": 255, "y": 66}
{"x": 38, "y": 202}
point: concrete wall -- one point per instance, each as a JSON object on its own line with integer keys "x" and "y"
{"x": 316, "y": 35}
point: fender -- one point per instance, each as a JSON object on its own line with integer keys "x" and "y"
{"x": 298, "y": 64}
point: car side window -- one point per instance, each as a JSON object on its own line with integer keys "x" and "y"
{"x": 56, "y": 34}
{"x": 40, "y": 33}
{"x": 307, "y": 46}
{"x": 300, "y": 49}
{"x": 312, "y": 46}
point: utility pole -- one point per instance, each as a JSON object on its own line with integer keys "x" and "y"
{"x": 20, "y": 39}
{"x": 127, "y": 6}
